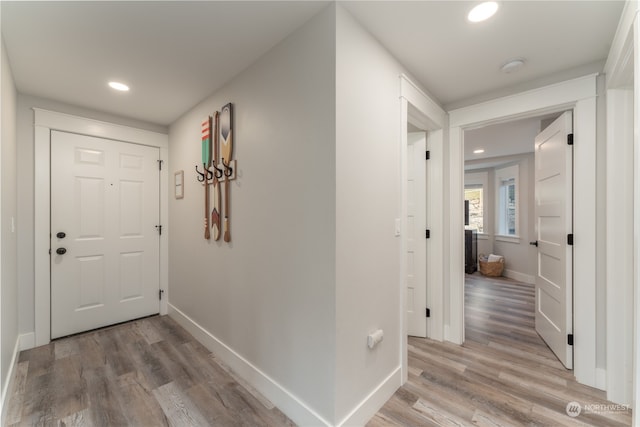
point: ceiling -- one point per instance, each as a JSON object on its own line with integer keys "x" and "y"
{"x": 458, "y": 61}
{"x": 502, "y": 140}
{"x": 174, "y": 54}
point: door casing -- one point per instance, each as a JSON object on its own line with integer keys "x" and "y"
{"x": 580, "y": 96}
{"x": 45, "y": 121}
{"x": 418, "y": 108}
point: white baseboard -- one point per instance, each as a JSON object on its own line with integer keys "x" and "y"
{"x": 293, "y": 407}
{"x": 27, "y": 341}
{"x": 520, "y": 277}
{"x": 8, "y": 385}
{"x": 601, "y": 378}
{"x": 364, "y": 411}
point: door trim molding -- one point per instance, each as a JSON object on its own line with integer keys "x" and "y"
{"x": 580, "y": 95}
{"x": 418, "y": 108}
{"x": 45, "y": 122}
{"x": 623, "y": 334}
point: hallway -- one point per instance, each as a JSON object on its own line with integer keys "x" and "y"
{"x": 504, "y": 374}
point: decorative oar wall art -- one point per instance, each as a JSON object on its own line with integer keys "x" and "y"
{"x": 217, "y": 170}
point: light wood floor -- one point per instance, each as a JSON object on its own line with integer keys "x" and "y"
{"x": 503, "y": 375}
{"x": 149, "y": 372}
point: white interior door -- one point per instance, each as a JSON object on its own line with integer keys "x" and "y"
{"x": 554, "y": 223}
{"x": 416, "y": 239}
{"x": 105, "y": 199}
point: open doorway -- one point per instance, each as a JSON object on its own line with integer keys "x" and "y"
{"x": 419, "y": 113}
{"x": 581, "y": 96}
{"x": 518, "y": 209}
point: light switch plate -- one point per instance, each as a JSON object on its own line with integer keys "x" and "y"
{"x": 397, "y": 232}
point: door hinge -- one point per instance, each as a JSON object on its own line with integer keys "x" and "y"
{"x": 570, "y": 139}
{"x": 428, "y": 313}
{"x": 428, "y": 155}
{"x": 159, "y": 228}
{"x": 160, "y": 164}
{"x": 570, "y": 339}
{"x": 570, "y": 239}
{"x": 428, "y": 234}
{"x": 160, "y": 292}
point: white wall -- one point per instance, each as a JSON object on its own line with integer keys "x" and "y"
{"x": 520, "y": 257}
{"x": 367, "y": 201}
{"x": 25, "y": 186}
{"x": 8, "y": 214}
{"x": 269, "y": 295}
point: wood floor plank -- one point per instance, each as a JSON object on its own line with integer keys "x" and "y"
{"x": 149, "y": 372}
{"x": 503, "y": 375}
{"x": 152, "y": 372}
{"x": 255, "y": 393}
{"x": 104, "y": 404}
{"x": 438, "y": 415}
{"x": 38, "y": 402}
{"x": 139, "y": 406}
{"x": 179, "y": 410}
{"x": 71, "y": 398}
{"x": 14, "y": 411}
{"x": 77, "y": 419}
{"x": 148, "y": 331}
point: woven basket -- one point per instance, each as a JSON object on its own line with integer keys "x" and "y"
{"x": 492, "y": 269}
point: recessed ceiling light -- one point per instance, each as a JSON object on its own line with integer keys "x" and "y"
{"x": 483, "y": 11}
{"x": 512, "y": 65}
{"x": 478, "y": 151}
{"x": 119, "y": 86}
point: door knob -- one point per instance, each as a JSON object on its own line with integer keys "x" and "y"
{"x": 61, "y": 235}
{"x": 534, "y": 243}
{"x": 61, "y": 251}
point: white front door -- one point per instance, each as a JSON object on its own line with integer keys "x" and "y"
{"x": 104, "y": 242}
{"x": 554, "y": 224}
{"x": 416, "y": 239}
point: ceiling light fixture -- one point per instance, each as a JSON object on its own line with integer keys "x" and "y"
{"x": 512, "y": 65}
{"x": 483, "y": 11}
{"x": 119, "y": 86}
{"x": 478, "y": 151}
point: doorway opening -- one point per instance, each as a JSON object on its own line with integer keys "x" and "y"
{"x": 581, "y": 96}
{"x": 518, "y": 265}
{"x": 420, "y": 116}
{"x": 44, "y": 123}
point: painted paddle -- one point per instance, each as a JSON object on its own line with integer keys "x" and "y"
{"x": 226, "y": 151}
{"x": 216, "y": 218}
{"x": 206, "y": 160}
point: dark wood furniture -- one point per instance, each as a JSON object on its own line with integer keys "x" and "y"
{"x": 470, "y": 251}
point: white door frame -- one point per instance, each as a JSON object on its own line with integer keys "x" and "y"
{"x": 580, "y": 96}
{"x": 45, "y": 122}
{"x": 419, "y": 109}
{"x": 623, "y": 214}
{"x": 619, "y": 214}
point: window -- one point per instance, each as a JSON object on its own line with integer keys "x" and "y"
{"x": 474, "y": 194}
{"x": 507, "y": 198}
{"x": 476, "y": 185}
